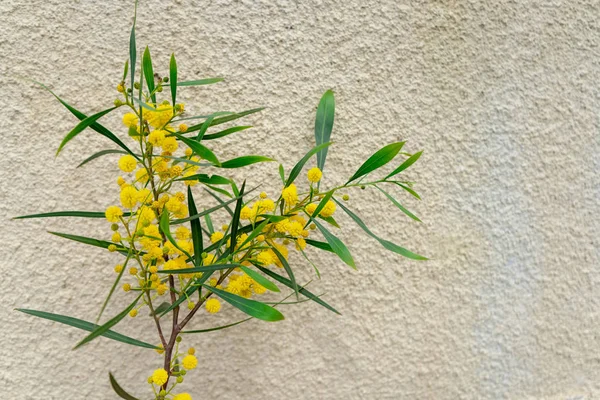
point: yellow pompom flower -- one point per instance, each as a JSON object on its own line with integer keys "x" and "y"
{"x": 120, "y": 181}
{"x": 310, "y": 208}
{"x": 113, "y": 213}
{"x": 118, "y": 268}
{"x": 314, "y": 175}
{"x": 130, "y": 119}
{"x": 175, "y": 171}
{"x": 160, "y": 350}
{"x": 127, "y": 163}
{"x": 217, "y": 236}
{"x": 145, "y": 216}
{"x": 145, "y": 196}
{"x": 161, "y": 116}
{"x": 290, "y": 195}
{"x": 209, "y": 260}
{"x": 213, "y": 305}
{"x": 160, "y": 377}
{"x": 182, "y": 233}
{"x": 133, "y": 313}
{"x": 157, "y": 137}
{"x": 116, "y": 237}
{"x": 188, "y": 152}
{"x": 294, "y": 228}
{"x": 173, "y": 204}
{"x": 245, "y": 213}
{"x": 263, "y": 195}
{"x": 189, "y": 182}
{"x": 129, "y": 197}
{"x": 191, "y": 351}
{"x": 162, "y": 289}
{"x": 141, "y": 175}
{"x": 126, "y": 287}
{"x": 182, "y": 396}
{"x": 183, "y": 128}
{"x": 189, "y": 361}
{"x": 170, "y": 144}
{"x": 300, "y": 244}
{"x": 328, "y": 210}
{"x": 112, "y": 248}
{"x": 265, "y": 258}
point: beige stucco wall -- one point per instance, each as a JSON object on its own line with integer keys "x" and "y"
{"x": 501, "y": 95}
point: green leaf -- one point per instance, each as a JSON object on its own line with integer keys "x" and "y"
{"x": 199, "y": 82}
{"x": 322, "y": 204}
{"x": 204, "y": 178}
{"x": 95, "y": 126}
{"x": 100, "y": 154}
{"x": 161, "y": 308}
{"x": 92, "y": 242}
{"x": 132, "y": 47}
{"x": 225, "y": 132}
{"x": 218, "y": 328}
{"x": 165, "y": 228}
{"x": 173, "y": 78}
{"x": 330, "y": 221}
{"x": 86, "y": 326}
{"x": 81, "y": 126}
{"x": 125, "y": 69}
{"x": 112, "y": 289}
{"x": 227, "y": 118}
{"x": 404, "y": 210}
{"x": 226, "y": 206}
{"x": 377, "y": 160}
{"x": 410, "y": 161}
{"x": 409, "y": 190}
{"x": 298, "y": 167}
{"x": 149, "y": 73}
{"x": 324, "y": 125}
{"x": 261, "y": 280}
{"x": 196, "y": 228}
{"x": 282, "y": 174}
{"x": 253, "y": 308}
{"x": 99, "y": 331}
{"x": 204, "y": 128}
{"x": 287, "y": 268}
{"x": 319, "y": 245}
{"x": 301, "y": 290}
{"x": 385, "y": 243}
{"x": 336, "y": 244}
{"x": 206, "y": 268}
{"x": 200, "y": 150}
{"x": 244, "y": 161}
{"x": 235, "y": 221}
{"x": 82, "y": 214}
{"x": 118, "y": 389}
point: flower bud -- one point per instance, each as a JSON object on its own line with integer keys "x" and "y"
{"x": 179, "y": 379}
{"x": 118, "y": 103}
{"x": 114, "y": 227}
{"x": 136, "y": 85}
{"x": 346, "y": 197}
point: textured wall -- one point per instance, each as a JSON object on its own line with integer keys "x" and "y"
{"x": 501, "y": 95}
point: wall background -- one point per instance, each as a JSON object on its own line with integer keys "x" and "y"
{"x": 502, "y": 96}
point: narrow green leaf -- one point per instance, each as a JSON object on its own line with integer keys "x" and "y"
{"x": 149, "y": 73}
{"x": 204, "y": 128}
{"x": 226, "y": 118}
{"x": 393, "y": 200}
{"x": 218, "y": 328}
{"x": 173, "y": 78}
{"x": 118, "y": 389}
{"x": 81, "y": 126}
{"x": 261, "y": 280}
{"x": 311, "y": 263}
{"x": 166, "y": 230}
{"x": 235, "y": 221}
{"x": 409, "y": 190}
{"x": 255, "y": 232}
{"x": 200, "y": 150}
{"x": 112, "y": 289}
{"x": 161, "y": 308}
{"x": 282, "y": 174}
{"x": 253, "y": 308}
{"x": 336, "y": 244}
{"x": 410, "y": 161}
{"x": 225, "y": 205}
{"x": 244, "y": 161}
{"x": 301, "y": 290}
{"x": 204, "y": 178}
{"x": 319, "y": 245}
{"x": 86, "y": 326}
{"x": 86, "y": 240}
{"x": 95, "y": 126}
{"x": 385, "y": 243}
{"x": 125, "y": 69}
{"x": 287, "y": 268}
{"x": 199, "y": 82}
{"x": 331, "y": 221}
{"x": 206, "y": 268}
{"x": 100, "y": 154}
{"x": 298, "y": 167}
{"x": 82, "y": 214}
{"x": 196, "y": 228}
{"x": 225, "y": 132}
{"x": 377, "y": 160}
{"x": 324, "y": 125}
{"x": 99, "y": 331}
{"x": 132, "y": 48}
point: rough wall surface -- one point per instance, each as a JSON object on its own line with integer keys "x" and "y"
{"x": 501, "y": 95}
